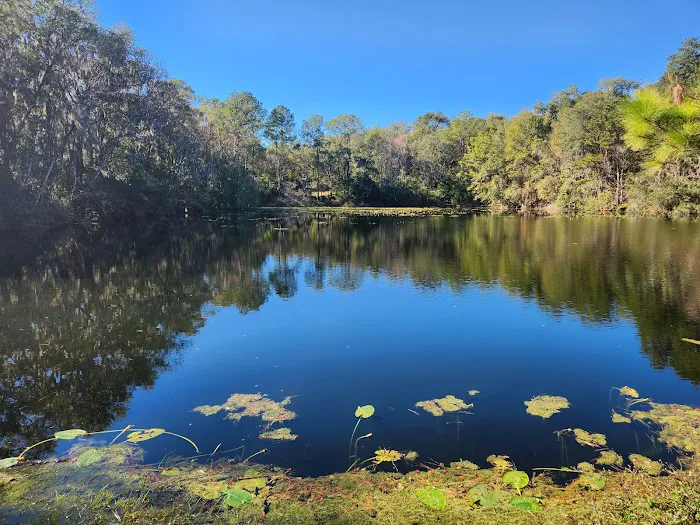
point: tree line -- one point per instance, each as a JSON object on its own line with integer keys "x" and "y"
{"x": 90, "y": 126}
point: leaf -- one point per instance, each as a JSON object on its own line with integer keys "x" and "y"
{"x": 384, "y": 455}
{"x": 432, "y": 497}
{"x": 592, "y": 481}
{"x": 90, "y": 456}
{"x": 69, "y": 434}
{"x": 364, "y": 411}
{"x": 144, "y": 435}
{"x": 516, "y": 479}
{"x": 237, "y": 497}
{"x": 531, "y": 504}
{"x": 8, "y": 462}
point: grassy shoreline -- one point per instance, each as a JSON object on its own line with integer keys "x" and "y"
{"x": 116, "y": 491}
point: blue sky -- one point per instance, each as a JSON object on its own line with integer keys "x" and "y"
{"x": 394, "y": 60}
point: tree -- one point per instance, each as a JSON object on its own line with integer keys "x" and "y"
{"x": 279, "y": 129}
{"x": 313, "y": 134}
{"x": 344, "y": 128}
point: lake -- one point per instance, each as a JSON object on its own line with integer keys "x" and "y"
{"x": 105, "y": 329}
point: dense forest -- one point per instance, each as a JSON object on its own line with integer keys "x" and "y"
{"x": 91, "y": 126}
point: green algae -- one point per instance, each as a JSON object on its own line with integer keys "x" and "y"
{"x": 646, "y": 465}
{"x": 545, "y": 406}
{"x": 589, "y": 439}
{"x": 239, "y": 406}
{"x": 619, "y": 418}
{"x": 609, "y": 458}
{"x": 279, "y": 434}
{"x": 437, "y": 407}
{"x": 680, "y": 425}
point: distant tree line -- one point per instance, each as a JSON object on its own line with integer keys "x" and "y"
{"x": 91, "y": 127}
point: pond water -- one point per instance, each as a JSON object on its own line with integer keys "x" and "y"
{"x": 115, "y": 328}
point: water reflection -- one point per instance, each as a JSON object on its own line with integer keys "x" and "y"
{"x": 87, "y": 320}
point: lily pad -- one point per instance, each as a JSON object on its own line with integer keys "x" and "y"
{"x": 432, "y": 497}
{"x": 646, "y": 465}
{"x": 144, "y": 435}
{"x": 516, "y": 479}
{"x": 485, "y": 497}
{"x": 90, "y": 456}
{"x": 526, "y": 503}
{"x": 546, "y": 406}
{"x": 589, "y": 439}
{"x": 592, "y": 481}
{"x": 279, "y": 434}
{"x": 8, "y": 462}
{"x": 365, "y": 411}
{"x": 384, "y": 455}
{"x": 69, "y": 434}
{"x": 237, "y": 497}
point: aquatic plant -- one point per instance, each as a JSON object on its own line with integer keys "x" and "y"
{"x": 239, "y": 406}
{"x": 592, "y": 481}
{"x": 516, "y": 479}
{"x": 464, "y": 465}
{"x": 526, "y": 503}
{"x": 237, "y": 497}
{"x": 619, "y": 418}
{"x": 473, "y": 392}
{"x": 279, "y": 434}
{"x": 627, "y": 391}
{"x": 680, "y": 425}
{"x": 439, "y": 406}
{"x": 137, "y": 434}
{"x": 589, "y": 439}
{"x": 432, "y": 498}
{"x": 545, "y": 406}
{"x": 583, "y": 466}
{"x": 500, "y": 463}
{"x": 362, "y": 412}
{"x": 646, "y": 465}
{"x": 385, "y": 455}
{"x": 411, "y": 456}
{"x": 609, "y": 458}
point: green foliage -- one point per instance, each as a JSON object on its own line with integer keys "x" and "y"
{"x": 364, "y": 412}
{"x": 432, "y": 498}
{"x": 516, "y": 479}
{"x": 592, "y": 481}
{"x": 69, "y": 434}
{"x": 526, "y": 503}
{"x": 8, "y": 462}
{"x": 144, "y": 435}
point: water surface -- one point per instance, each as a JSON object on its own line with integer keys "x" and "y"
{"x": 139, "y": 328}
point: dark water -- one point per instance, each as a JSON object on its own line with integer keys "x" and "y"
{"x": 101, "y": 331}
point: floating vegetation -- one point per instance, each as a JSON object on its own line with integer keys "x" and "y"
{"x": 516, "y": 479}
{"x": 628, "y": 391}
{"x": 464, "y": 465}
{"x": 500, "y": 463}
{"x": 680, "y": 425}
{"x": 619, "y": 418}
{"x": 411, "y": 456}
{"x": 584, "y": 466}
{"x": 646, "y": 465}
{"x": 90, "y": 456}
{"x": 279, "y": 434}
{"x": 609, "y": 458}
{"x": 239, "y": 406}
{"x": 486, "y": 497}
{"x": 69, "y": 434}
{"x": 589, "y": 439}
{"x": 144, "y": 435}
{"x": 362, "y": 412}
{"x": 526, "y": 503}
{"x": 439, "y": 406}
{"x": 209, "y": 490}
{"x": 384, "y": 455}
{"x": 237, "y": 497}
{"x": 432, "y": 498}
{"x": 8, "y": 462}
{"x": 546, "y": 406}
{"x": 592, "y": 481}
{"x": 473, "y": 392}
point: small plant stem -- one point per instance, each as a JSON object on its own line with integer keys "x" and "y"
{"x": 352, "y": 437}
{"x": 21, "y": 456}
{"x": 120, "y": 433}
{"x": 186, "y": 439}
{"x": 358, "y": 439}
{"x": 263, "y": 451}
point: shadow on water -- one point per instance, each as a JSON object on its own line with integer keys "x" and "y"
{"x": 88, "y": 319}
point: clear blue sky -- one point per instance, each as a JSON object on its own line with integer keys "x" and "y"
{"x": 389, "y": 60}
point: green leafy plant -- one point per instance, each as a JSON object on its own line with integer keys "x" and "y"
{"x": 362, "y": 412}
{"x": 592, "y": 481}
{"x": 432, "y": 498}
{"x": 516, "y": 479}
{"x": 237, "y": 497}
{"x": 526, "y": 503}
